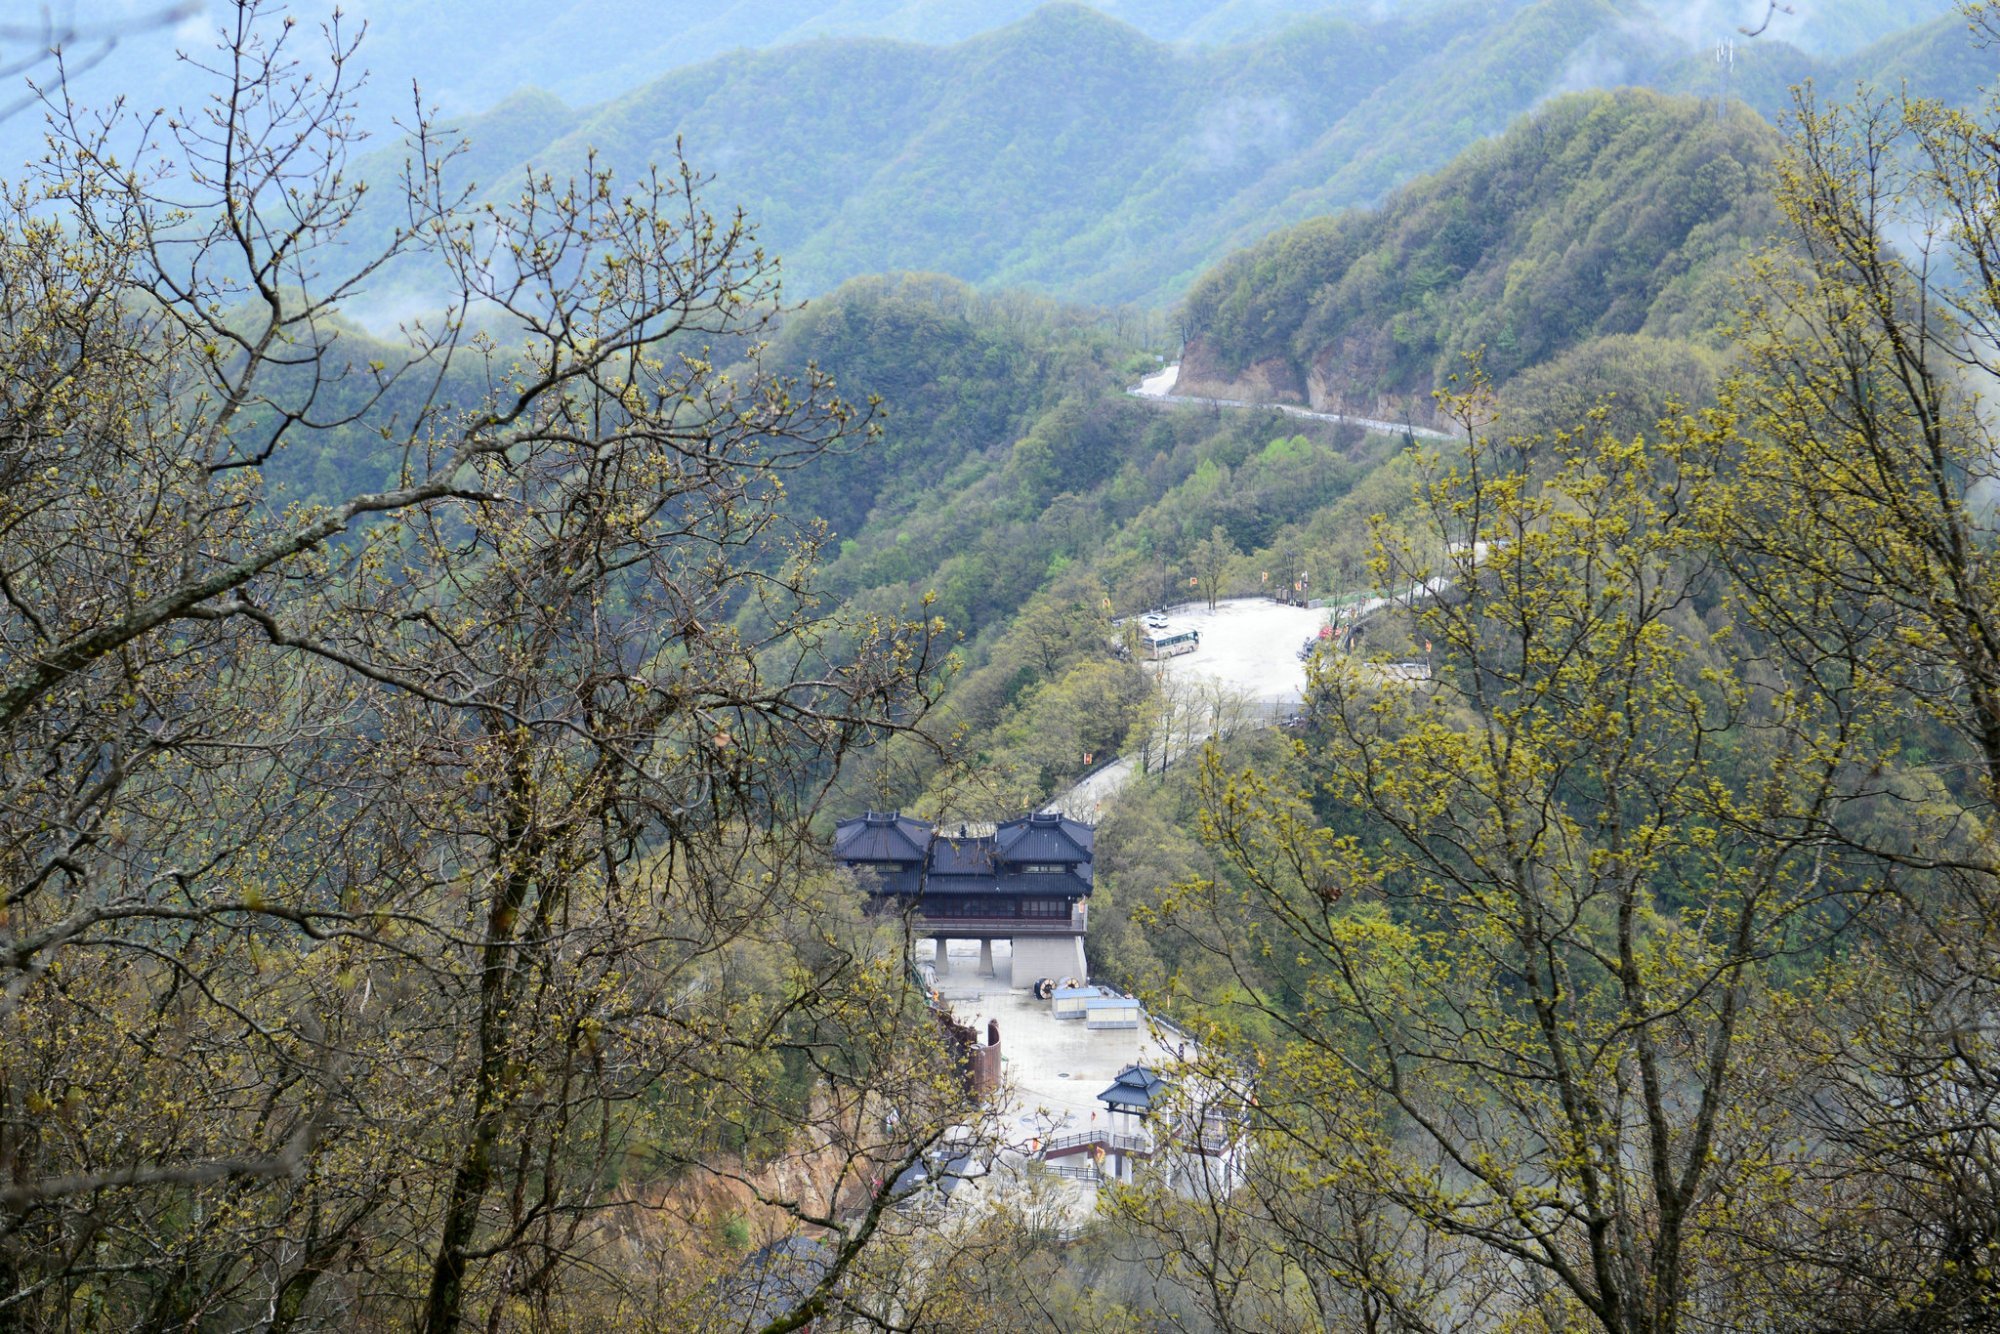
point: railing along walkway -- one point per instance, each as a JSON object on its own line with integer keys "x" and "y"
{"x": 1113, "y": 1141}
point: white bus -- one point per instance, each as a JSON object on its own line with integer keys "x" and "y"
{"x": 1169, "y": 644}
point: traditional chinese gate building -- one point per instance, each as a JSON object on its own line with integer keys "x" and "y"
{"x": 1025, "y": 881}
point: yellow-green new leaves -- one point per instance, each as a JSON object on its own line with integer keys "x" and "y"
{"x": 1510, "y": 950}
{"x": 396, "y": 892}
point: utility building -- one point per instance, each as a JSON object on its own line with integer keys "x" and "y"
{"x": 1025, "y": 881}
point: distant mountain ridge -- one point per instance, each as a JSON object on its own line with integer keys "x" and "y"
{"x": 1072, "y": 154}
{"x": 469, "y": 58}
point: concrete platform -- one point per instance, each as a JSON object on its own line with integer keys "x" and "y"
{"x": 1052, "y": 1070}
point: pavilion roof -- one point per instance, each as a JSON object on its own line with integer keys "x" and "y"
{"x": 881, "y": 837}
{"x": 1044, "y": 837}
{"x": 907, "y": 856}
{"x": 1135, "y": 1088}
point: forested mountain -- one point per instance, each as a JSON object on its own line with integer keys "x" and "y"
{"x": 1104, "y": 154}
{"x": 1009, "y": 454}
{"x": 584, "y": 51}
{"x": 1017, "y": 493}
{"x": 1074, "y": 154}
{"x": 1602, "y": 213}
{"x": 1590, "y": 253}
{"x": 418, "y": 753}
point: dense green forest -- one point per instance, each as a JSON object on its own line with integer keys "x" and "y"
{"x": 1009, "y": 454}
{"x": 1075, "y": 155}
{"x": 418, "y": 753}
{"x": 1625, "y": 213}
{"x": 1600, "y": 239}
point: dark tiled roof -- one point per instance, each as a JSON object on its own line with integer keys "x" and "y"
{"x": 1136, "y": 1088}
{"x": 962, "y": 856}
{"x": 881, "y": 845}
{"x": 878, "y": 881}
{"x": 876, "y": 837}
{"x": 1075, "y": 883}
{"x": 1044, "y": 837}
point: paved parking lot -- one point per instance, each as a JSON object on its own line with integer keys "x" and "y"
{"x": 1249, "y": 645}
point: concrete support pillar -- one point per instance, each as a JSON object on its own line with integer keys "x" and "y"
{"x": 1054, "y": 957}
{"x": 943, "y": 958}
{"x": 986, "y": 958}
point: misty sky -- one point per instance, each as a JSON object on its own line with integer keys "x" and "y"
{"x": 468, "y": 56}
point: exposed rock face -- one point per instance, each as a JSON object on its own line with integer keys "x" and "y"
{"x": 1338, "y": 381}
{"x": 1273, "y": 380}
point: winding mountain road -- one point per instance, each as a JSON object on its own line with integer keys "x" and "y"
{"x": 1158, "y": 388}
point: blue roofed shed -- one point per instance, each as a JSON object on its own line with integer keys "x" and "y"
{"x": 1111, "y": 1012}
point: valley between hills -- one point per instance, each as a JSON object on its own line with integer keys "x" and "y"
{"x": 1277, "y": 665}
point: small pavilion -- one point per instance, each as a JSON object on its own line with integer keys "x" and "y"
{"x": 1129, "y": 1103}
{"x": 1134, "y": 1094}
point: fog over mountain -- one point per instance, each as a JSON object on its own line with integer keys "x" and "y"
{"x": 1074, "y": 154}
{"x": 468, "y": 58}
{"x": 473, "y": 59}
